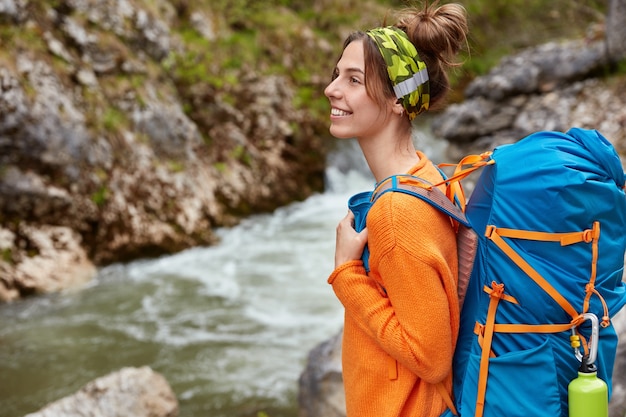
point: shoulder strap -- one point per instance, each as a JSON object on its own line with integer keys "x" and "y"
{"x": 467, "y": 240}
{"x": 423, "y": 190}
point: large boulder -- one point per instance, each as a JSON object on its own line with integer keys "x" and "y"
{"x": 321, "y": 391}
{"x": 136, "y": 392}
{"x": 61, "y": 261}
{"x": 548, "y": 87}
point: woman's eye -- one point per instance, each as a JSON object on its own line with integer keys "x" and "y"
{"x": 355, "y": 80}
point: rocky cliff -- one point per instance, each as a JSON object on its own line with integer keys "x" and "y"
{"x": 554, "y": 86}
{"x": 121, "y": 137}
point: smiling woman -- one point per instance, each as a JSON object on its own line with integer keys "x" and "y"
{"x": 401, "y": 312}
{"x": 354, "y": 112}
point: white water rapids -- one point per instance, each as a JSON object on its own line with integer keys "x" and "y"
{"x": 229, "y": 326}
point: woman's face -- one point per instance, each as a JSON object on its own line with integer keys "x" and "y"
{"x": 354, "y": 114}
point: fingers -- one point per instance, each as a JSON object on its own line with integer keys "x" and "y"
{"x": 349, "y": 243}
{"x": 347, "y": 222}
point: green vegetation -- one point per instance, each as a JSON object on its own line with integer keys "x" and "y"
{"x": 113, "y": 119}
{"x": 239, "y": 153}
{"x": 285, "y": 37}
{"x": 501, "y": 27}
{"x": 220, "y": 167}
{"x": 175, "y": 166}
{"x": 498, "y": 27}
{"x": 100, "y": 197}
{"x": 6, "y": 255}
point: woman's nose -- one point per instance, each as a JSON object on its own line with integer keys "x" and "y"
{"x": 331, "y": 89}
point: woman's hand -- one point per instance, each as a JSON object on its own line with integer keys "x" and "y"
{"x": 349, "y": 244}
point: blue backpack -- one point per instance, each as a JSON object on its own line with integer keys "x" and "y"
{"x": 541, "y": 256}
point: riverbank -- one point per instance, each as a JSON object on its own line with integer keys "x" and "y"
{"x": 120, "y": 141}
{"x": 227, "y": 325}
{"x": 130, "y": 130}
{"x": 103, "y": 161}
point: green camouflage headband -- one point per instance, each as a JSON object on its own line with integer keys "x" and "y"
{"x": 407, "y": 73}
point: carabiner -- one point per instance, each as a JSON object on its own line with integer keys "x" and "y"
{"x": 593, "y": 340}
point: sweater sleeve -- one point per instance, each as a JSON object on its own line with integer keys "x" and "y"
{"x": 408, "y": 302}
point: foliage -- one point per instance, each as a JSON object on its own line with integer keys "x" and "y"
{"x": 239, "y": 153}
{"x": 501, "y": 27}
{"x": 621, "y": 67}
{"x": 100, "y": 197}
{"x": 6, "y": 255}
{"x": 113, "y": 119}
{"x": 265, "y": 34}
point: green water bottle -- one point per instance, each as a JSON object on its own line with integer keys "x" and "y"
{"x": 588, "y": 394}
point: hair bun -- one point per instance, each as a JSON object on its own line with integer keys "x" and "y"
{"x": 438, "y": 31}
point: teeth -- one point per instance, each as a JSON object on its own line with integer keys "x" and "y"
{"x": 337, "y": 112}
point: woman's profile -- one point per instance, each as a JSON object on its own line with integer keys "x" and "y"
{"x": 402, "y": 314}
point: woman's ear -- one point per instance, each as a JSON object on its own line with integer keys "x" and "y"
{"x": 398, "y": 108}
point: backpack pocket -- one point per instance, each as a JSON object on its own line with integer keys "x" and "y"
{"x": 360, "y": 204}
{"x": 519, "y": 384}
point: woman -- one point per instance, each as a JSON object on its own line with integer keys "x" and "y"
{"x": 401, "y": 317}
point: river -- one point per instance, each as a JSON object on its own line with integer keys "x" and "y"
{"x": 229, "y": 326}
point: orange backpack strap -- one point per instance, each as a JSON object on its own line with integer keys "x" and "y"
{"x": 495, "y": 295}
{"x": 446, "y": 397}
{"x": 592, "y": 236}
{"x": 495, "y": 235}
{"x": 455, "y": 191}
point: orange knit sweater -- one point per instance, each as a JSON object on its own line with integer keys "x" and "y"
{"x": 401, "y": 321}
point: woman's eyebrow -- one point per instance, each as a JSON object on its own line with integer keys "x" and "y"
{"x": 351, "y": 70}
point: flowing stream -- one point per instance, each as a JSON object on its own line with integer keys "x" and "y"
{"x": 229, "y": 326}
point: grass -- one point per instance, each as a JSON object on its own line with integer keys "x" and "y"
{"x": 502, "y": 27}
{"x": 259, "y": 33}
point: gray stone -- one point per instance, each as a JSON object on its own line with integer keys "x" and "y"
{"x": 321, "y": 391}
{"x": 136, "y": 392}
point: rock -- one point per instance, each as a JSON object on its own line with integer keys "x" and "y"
{"x": 136, "y": 392}
{"x": 540, "y": 69}
{"x": 14, "y": 10}
{"x": 321, "y": 384}
{"x": 48, "y": 259}
{"x": 541, "y": 88}
{"x": 616, "y": 32}
{"x": 110, "y": 129}
{"x": 475, "y": 118}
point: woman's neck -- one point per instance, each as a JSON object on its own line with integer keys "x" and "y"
{"x": 389, "y": 156}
